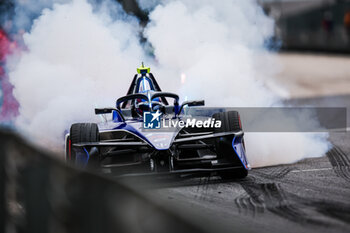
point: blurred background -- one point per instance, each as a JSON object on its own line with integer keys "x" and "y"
{"x": 311, "y": 25}
{"x": 312, "y": 45}
{"x": 312, "y": 40}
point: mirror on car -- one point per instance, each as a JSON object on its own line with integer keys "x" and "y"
{"x": 103, "y": 110}
{"x": 191, "y": 103}
{"x": 194, "y": 103}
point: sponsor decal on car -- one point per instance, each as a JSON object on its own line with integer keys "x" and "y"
{"x": 153, "y": 120}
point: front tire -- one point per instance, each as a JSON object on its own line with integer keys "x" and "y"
{"x": 82, "y": 132}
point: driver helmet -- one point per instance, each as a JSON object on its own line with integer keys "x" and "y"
{"x": 143, "y": 105}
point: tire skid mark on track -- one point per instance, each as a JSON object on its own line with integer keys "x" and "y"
{"x": 199, "y": 185}
{"x": 202, "y": 188}
{"x": 330, "y": 208}
{"x": 271, "y": 197}
{"x": 276, "y": 195}
{"x": 240, "y": 203}
{"x": 334, "y": 210}
{"x": 206, "y": 189}
{"x": 276, "y": 173}
{"x": 252, "y": 202}
{"x": 247, "y": 204}
{"x": 340, "y": 162}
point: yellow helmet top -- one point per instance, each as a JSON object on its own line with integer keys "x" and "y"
{"x": 143, "y": 70}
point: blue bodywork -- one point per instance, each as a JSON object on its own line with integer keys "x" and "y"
{"x": 135, "y": 127}
{"x": 157, "y": 139}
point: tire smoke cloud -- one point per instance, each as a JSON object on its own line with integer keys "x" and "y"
{"x": 77, "y": 58}
{"x": 82, "y": 55}
{"x": 220, "y": 47}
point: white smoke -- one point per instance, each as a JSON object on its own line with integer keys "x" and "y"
{"x": 79, "y": 58}
{"x": 216, "y": 46}
{"x": 25, "y": 10}
{"x": 76, "y": 60}
{"x": 220, "y": 48}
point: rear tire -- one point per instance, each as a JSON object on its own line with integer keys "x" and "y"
{"x": 230, "y": 122}
{"x": 83, "y": 132}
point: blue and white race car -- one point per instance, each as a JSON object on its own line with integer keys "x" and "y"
{"x": 148, "y": 135}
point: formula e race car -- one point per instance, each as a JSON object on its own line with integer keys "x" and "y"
{"x": 148, "y": 135}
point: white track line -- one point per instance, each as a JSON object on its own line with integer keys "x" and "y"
{"x": 342, "y": 130}
{"x": 312, "y": 170}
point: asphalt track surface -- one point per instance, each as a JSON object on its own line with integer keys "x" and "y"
{"x": 312, "y": 195}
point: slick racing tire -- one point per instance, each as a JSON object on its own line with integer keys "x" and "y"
{"x": 230, "y": 121}
{"x": 83, "y": 132}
